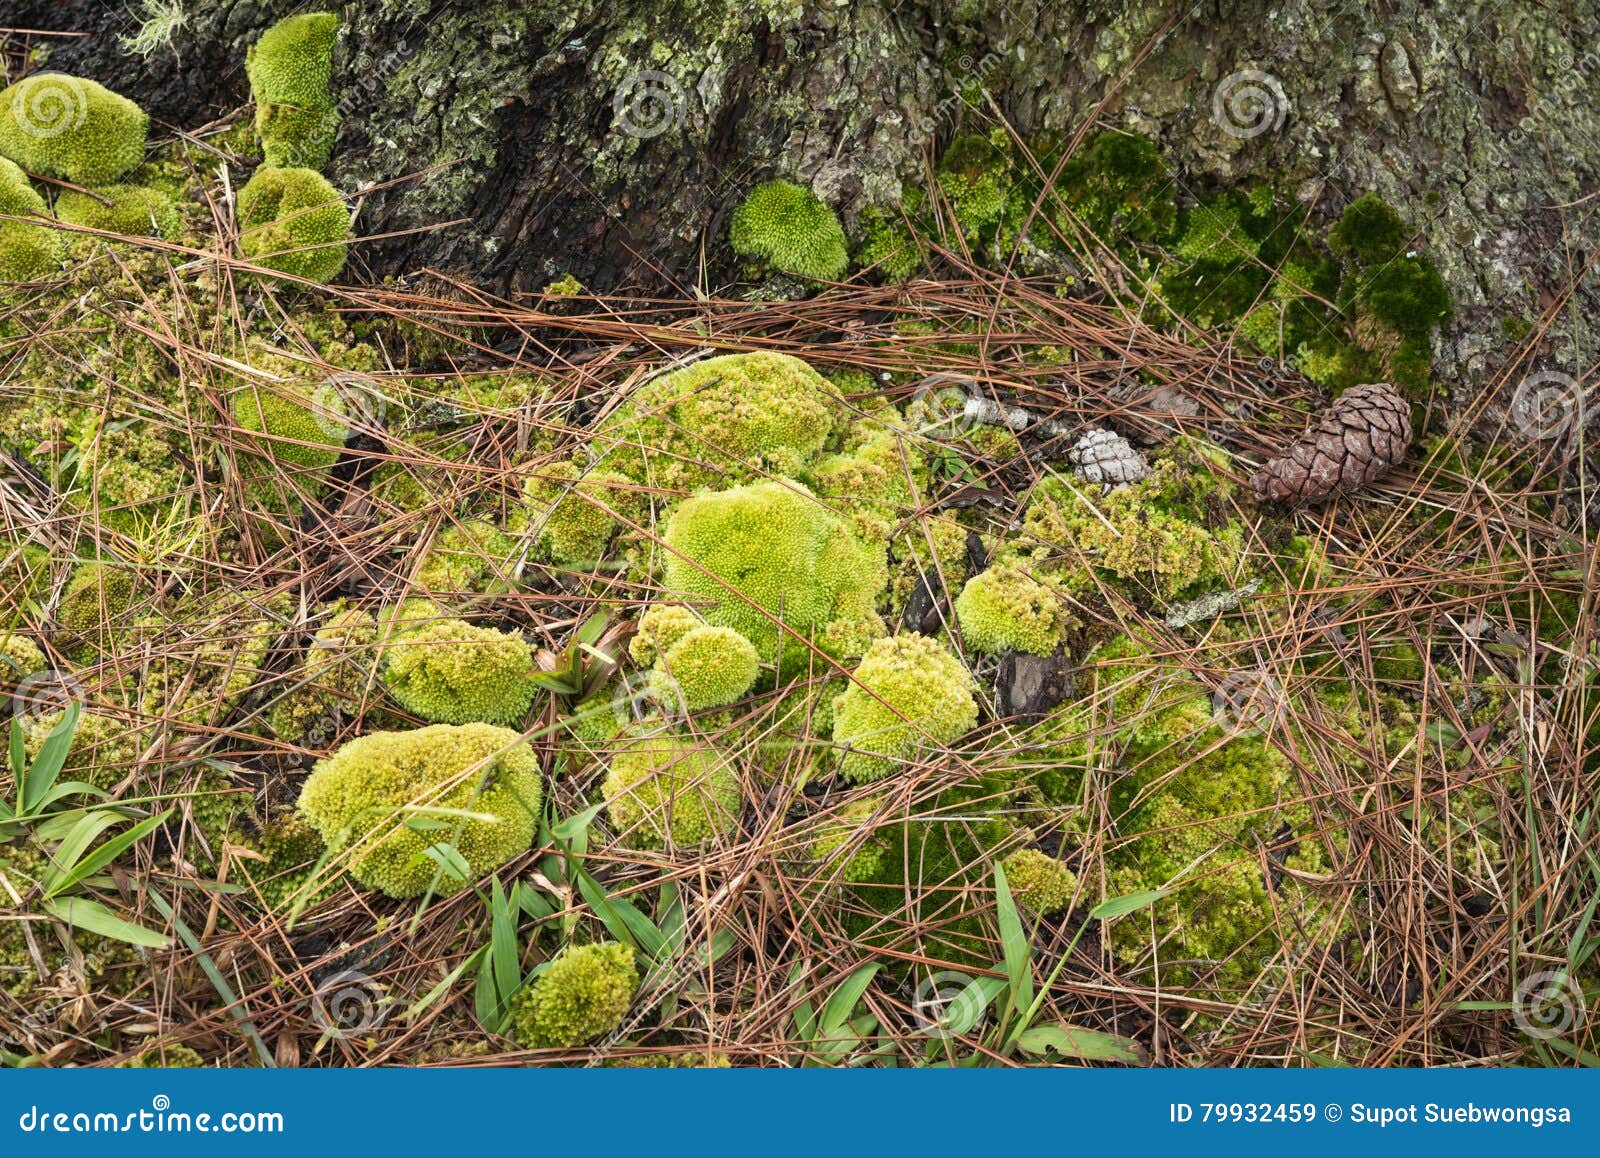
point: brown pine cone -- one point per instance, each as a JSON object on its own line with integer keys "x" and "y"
{"x": 1357, "y": 439}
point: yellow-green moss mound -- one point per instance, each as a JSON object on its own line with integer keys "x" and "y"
{"x": 661, "y": 785}
{"x": 65, "y": 126}
{"x": 411, "y": 810}
{"x": 583, "y": 994}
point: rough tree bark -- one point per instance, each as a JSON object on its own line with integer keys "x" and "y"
{"x": 1474, "y": 118}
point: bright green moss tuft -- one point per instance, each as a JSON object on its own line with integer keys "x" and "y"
{"x": 709, "y": 666}
{"x": 301, "y": 429}
{"x": 471, "y": 556}
{"x": 27, "y": 252}
{"x": 788, "y": 226}
{"x": 1151, "y": 536}
{"x": 20, "y": 657}
{"x": 1006, "y": 609}
{"x": 661, "y": 785}
{"x": 293, "y": 221}
{"x": 583, "y": 994}
{"x": 99, "y": 599}
{"x": 449, "y": 671}
{"x": 868, "y": 858}
{"x": 661, "y": 626}
{"x": 290, "y": 70}
{"x": 1407, "y": 294}
{"x": 757, "y": 555}
{"x": 1040, "y": 882}
{"x": 725, "y": 419}
{"x": 888, "y": 245}
{"x": 1369, "y": 231}
{"x": 908, "y": 693}
{"x": 65, "y": 126}
{"x": 570, "y": 509}
{"x": 1119, "y": 186}
{"x": 135, "y": 211}
{"x": 362, "y": 797}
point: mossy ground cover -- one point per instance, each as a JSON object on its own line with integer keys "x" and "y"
{"x": 622, "y": 706}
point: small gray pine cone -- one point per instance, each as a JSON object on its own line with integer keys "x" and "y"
{"x": 1357, "y": 439}
{"x": 1101, "y": 456}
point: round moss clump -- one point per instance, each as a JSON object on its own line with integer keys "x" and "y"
{"x": 661, "y": 785}
{"x": 302, "y": 429}
{"x": 26, "y": 251}
{"x": 290, "y": 70}
{"x": 661, "y": 626}
{"x": 583, "y": 994}
{"x": 20, "y": 658}
{"x": 65, "y": 126}
{"x": 293, "y": 221}
{"x": 1039, "y": 881}
{"x": 870, "y": 860}
{"x": 722, "y": 420}
{"x": 135, "y": 211}
{"x": 449, "y": 671}
{"x": 1006, "y": 609}
{"x": 908, "y": 693}
{"x": 711, "y": 666}
{"x": 768, "y": 553}
{"x": 98, "y": 598}
{"x": 570, "y": 508}
{"x": 788, "y": 226}
{"x": 364, "y": 798}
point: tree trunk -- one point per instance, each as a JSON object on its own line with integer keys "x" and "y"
{"x": 535, "y": 121}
